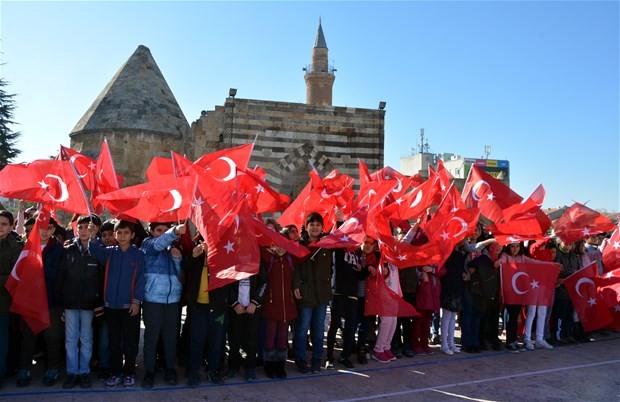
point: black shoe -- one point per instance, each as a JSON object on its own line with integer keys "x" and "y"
{"x": 436, "y": 340}
{"x": 408, "y": 352}
{"x": 216, "y": 379}
{"x": 467, "y": 349}
{"x": 513, "y": 347}
{"x": 171, "y": 377}
{"x": 194, "y": 379}
{"x": 148, "y": 380}
{"x": 70, "y": 382}
{"x": 347, "y": 363}
{"x": 316, "y": 366}
{"x": 496, "y": 346}
{"x": 483, "y": 346}
{"x": 259, "y": 362}
{"x": 553, "y": 342}
{"x": 361, "y": 357}
{"x": 329, "y": 364}
{"x": 270, "y": 369}
{"x": 104, "y": 374}
{"x": 85, "y": 381}
{"x": 280, "y": 372}
{"x": 571, "y": 340}
{"x": 563, "y": 342}
{"x": 302, "y": 366}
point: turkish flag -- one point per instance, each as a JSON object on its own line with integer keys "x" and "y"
{"x": 403, "y": 255}
{"x": 84, "y": 165}
{"x": 529, "y": 284}
{"x": 383, "y": 301}
{"x": 414, "y": 203}
{"x": 588, "y": 303}
{"x": 443, "y": 176}
{"x": 26, "y": 284}
{"x": 235, "y": 255}
{"x": 450, "y": 228}
{"x": 489, "y": 194}
{"x": 615, "y": 314}
{"x": 609, "y": 287}
{"x": 159, "y": 167}
{"x": 349, "y": 235}
{"x": 523, "y": 221}
{"x": 451, "y": 201}
{"x": 611, "y": 252}
{"x": 51, "y": 182}
{"x": 225, "y": 162}
{"x": 261, "y": 197}
{"x": 335, "y": 189}
{"x": 295, "y": 214}
{"x": 579, "y": 221}
{"x": 106, "y": 179}
{"x": 166, "y": 200}
{"x": 374, "y": 196}
{"x": 401, "y": 182}
{"x": 266, "y": 237}
{"x": 364, "y": 174}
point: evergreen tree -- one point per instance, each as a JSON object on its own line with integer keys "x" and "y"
{"x": 8, "y": 137}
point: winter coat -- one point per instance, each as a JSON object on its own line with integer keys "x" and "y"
{"x": 427, "y": 295}
{"x": 52, "y": 258}
{"x": 124, "y": 274}
{"x": 161, "y": 272}
{"x": 452, "y": 283}
{"x": 570, "y": 264}
{"x": 279, "y": 303}
{"x": 313, "y": 276}
{"x": 80, "y": 283}
{"x": 10, "y": 248}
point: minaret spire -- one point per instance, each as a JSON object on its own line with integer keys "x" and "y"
{"x": 319, "y": 75}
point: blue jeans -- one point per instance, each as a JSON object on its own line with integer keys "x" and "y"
{"x": 79, "y": 327}
{"x": 4, "y": 342}
{"x": 310, "y": 317}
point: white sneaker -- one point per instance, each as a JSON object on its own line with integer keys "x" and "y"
{"x": 542, "y": 344}
{"x": 455, "y": 349}
{"x": 447, "y": 351}
{"x": 528, "y": 345}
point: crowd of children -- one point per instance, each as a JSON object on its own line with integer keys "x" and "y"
{"x": 109, "y": 277}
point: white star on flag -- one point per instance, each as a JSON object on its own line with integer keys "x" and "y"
{"x": 609, "y": 275}
{"x": 586, "y": 232}
{"x": 43, "y": 184}
{"x": 617, "y": 308}
{"x": 592, "y": 301}
{"x": 445, "y": 235}
{"x": 443, "y": 187}
{"x": 398, "y": 201}
{"x": 344, "y": 238}
{"x": 92, "y": 166}
{"x": 490, "y": 196}
{"x": 402, "y": 258}
{"x": 387, "y": 177}
{"x": 534, "y": 284}
{"x": 616, "y": 245}
{"x": 229, "y": 247}
{"x": 259, "y": 188}
{"x": 198, "y": 202}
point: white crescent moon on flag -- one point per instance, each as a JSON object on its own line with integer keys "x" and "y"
{"x": 336, "y": 194}
{"x": 476, "y": 187}
{"x": 580, "y": 282}
{"x": 353, "y": 220}
{"x": 417, "y": 199}
{"x": 464, "y": 226}
{"x": 23, "y": 254}
{"x": 73, "y": 158}
{"x": 233, "y": 168}
{"x": 64, "y": 193}
{"x": 514, "y": 283}
{"x": 399, "y": 188}
{"x": 178, "y": 199}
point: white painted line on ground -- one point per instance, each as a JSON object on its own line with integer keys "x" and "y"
{"x": 456, "y": 384}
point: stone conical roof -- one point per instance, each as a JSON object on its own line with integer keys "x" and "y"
{"x": 319, "y": 41}
{"x": 137, "y": 98}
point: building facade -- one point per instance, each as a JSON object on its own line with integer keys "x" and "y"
{"x": 140, "y": 117}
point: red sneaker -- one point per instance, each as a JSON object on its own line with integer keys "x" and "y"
{"x": 380, "y": 357}
{"x": 388, "y": 353}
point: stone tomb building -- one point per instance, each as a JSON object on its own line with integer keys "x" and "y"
{"x": 140, "y": 117}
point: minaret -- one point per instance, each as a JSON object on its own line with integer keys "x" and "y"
{"x": 319, "y": 75}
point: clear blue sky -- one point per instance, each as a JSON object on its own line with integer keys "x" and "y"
{"x": 537, "y": 81}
